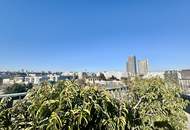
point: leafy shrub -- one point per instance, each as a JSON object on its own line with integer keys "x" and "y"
{"x": 156, "y": 105}
{"x": 150, "y": 105}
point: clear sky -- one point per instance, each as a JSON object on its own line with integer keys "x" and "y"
{"x": 94, "y": 35}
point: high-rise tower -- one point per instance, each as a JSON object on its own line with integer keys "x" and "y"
{"x": 143, "y": 67}
{"x": 132, "y": 66}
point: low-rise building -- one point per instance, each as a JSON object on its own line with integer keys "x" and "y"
{"x": 32, "y": 79}
{"x": 6, "y": 81}
{"x": 154, "y": 74}
{"x": 65, "y": 77}
{"x": 19, "y": 80}
{"x": 53, "y": 77}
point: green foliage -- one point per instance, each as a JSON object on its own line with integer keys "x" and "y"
{"x": 171, "y": 76}
{"x": 1, "y": 81}
{"x": 5, "y": 113}
{"x": 151, "y": 105}
{"x": 18, "y": 88}
{"x": 156, "y": 104}
{"x": 112, "y": 78}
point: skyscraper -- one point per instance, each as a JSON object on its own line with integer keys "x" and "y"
{"x": 143, "y": 67}
{"x": 132, "y": 66}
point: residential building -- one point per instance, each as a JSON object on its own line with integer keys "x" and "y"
{"x": 32, "y": 79}
{"x": 53, "y": 77}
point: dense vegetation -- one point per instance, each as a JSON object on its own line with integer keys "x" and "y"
{"x": 150, "y": 104}
{"x": 18, "y": 88}
{"x": 1, "y": 81}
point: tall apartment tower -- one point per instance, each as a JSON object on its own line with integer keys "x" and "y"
{"x": 143, "y": 67}
{"x": 132, "y": 66}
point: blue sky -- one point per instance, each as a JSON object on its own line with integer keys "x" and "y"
{"x": 95, "y": 35}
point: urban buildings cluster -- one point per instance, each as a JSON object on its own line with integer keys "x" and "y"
{"x": 106, "y": 78}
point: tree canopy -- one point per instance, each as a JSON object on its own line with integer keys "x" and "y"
{"x": 1, "y": 81}
{"x": 18, "y": 88}
{"x": 102, "y": 76}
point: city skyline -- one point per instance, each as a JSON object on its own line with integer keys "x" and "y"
{"x": 95, "y": 35}
{"x": 133, "y": 66}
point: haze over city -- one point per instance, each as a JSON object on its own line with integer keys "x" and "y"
{"x": 94, "y": 35}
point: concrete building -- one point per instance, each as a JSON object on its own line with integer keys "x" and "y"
{"x": 143, "y": 67}
{"x": 53, "y": 77}
{"x": 19, "y": 80}
{"x": 7, "y": 81}
{"x": 92, "y": 80}
{"x": 32, "y": 79}
{"x": 132, "y": 66}
{"x": 184, "y": 80}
